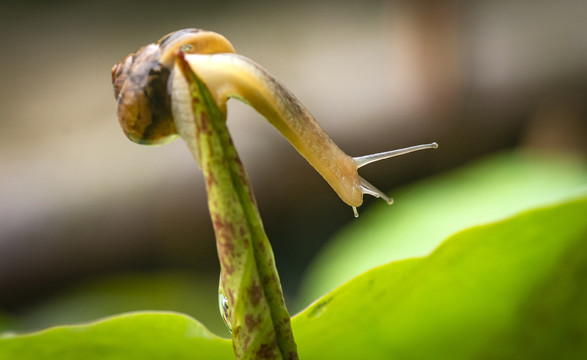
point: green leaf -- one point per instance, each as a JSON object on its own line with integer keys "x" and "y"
{"x": 128, "y": 336}
{"x": 513, "y": 289}
{"x": 426, "y": 213}
{"x": 186, "y": 292}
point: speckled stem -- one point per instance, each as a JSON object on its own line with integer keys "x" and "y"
{"x": 261, "y": 327}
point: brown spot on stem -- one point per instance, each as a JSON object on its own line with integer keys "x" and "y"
{"x": 224, "y": 230}
{"x": 265, "y": 351}
{"x": 271, "y": 279}
{"x": 246, "y": 342}
{"x": 231, "y": 296}
{"x": 255, "y": 294}
{"x": 250, "y": 322}
{"x": 211, "y": 180}
{"x": 226, "y": 249}
{"x": 204, "y": 122}
{"x": 226, "y": 266}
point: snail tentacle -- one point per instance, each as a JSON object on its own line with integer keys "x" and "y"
{"x": 368, "y": 159}
{"x": 369, "y": 189}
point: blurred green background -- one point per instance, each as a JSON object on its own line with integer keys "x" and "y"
{"x": 92, "y": 224}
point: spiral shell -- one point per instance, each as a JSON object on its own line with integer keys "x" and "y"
{"x": 141, "y": 82}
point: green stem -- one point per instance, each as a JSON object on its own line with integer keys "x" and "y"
{"x": 260, "y": 322}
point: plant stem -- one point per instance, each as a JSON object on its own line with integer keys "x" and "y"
{"x": 259, "y": 319}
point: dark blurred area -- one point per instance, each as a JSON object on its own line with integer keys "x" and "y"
{"x": 78, "y": 201}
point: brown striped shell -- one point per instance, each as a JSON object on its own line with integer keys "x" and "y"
{"x": 141, "y": 83}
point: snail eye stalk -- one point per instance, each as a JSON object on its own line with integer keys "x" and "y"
{"x": 368, "y": 159}
{"x": 361, "y": 161}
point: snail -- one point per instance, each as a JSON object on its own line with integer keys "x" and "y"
{"x": 154, "y": 106}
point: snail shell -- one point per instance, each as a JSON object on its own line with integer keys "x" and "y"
{"x": 141, "y": 83}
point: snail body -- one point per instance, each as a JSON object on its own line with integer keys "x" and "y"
{"x": 154, "y": 106}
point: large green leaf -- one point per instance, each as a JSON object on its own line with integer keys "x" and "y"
{"x": 162, "y": 335}
{"x": 186, "y": 292}
{"x": 426, "y": 213}
{"x": 513, "y": 289}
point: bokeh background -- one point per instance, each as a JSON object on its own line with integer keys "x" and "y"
{"x": 92, "y": 224}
